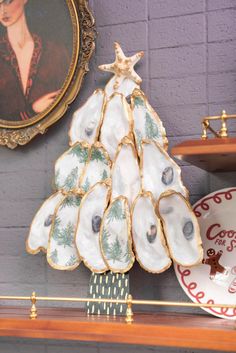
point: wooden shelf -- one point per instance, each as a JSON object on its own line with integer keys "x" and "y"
{"x": 159, "y": 329}
{"x": 216, "y": 154}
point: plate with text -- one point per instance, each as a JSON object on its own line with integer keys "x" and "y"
{"x": 214, "y": 281}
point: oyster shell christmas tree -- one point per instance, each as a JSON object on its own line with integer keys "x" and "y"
{"x": 119, "y": 195}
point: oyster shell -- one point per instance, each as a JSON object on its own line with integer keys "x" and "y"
{"x": 125, "y": 87}
{"x": 41, "y": 224}
{"x": 181, "y": 228}
{"x": 126, "y": 178}
{"x": 115, "y": 236}
{"x": 87, "y": 240}
{"x": 62, "y": 253}
{"x": 148, "y": 239}
{"x": 86, "y": 120}
{"x": 116, "y": 123}
{"x": 70, "y": 166}
{"x": 147, "y": 124}
{"x": 159, "y": 171}
{"x": 98, "y": 167}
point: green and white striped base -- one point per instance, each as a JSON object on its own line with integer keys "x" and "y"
{"x": 110, "y": 286}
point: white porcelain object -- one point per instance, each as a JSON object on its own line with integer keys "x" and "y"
{"x": 41, "y": 224}
{"x": 126, "y": 179}
{"x": 125, "y": 78}
{"x": 86, "y": 120}
{"x": 214, "y": 281}
{"x": 117, "y": 123}
{"x": 62, "y": 253}
{"x": 181, "y": 229}
{"x": 149, "y": 243}
{"x": 115, "y": 236}
{"x": 147, "y": 124}
{"x": 126, "y": 86}
{"x": 70, "y": 166}
{"x": 98, "y": 167}
{"x": 159, "y": 172}
{"x": 87, "y": 239}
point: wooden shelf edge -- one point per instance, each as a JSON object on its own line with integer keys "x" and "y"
{"x": 216, "y": 154}
{"x": 163, "y": 329}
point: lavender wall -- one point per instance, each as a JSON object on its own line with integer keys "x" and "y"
{"x": 189, "y": 70}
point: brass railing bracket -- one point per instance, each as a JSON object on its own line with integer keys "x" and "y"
{"x": 223, "y": 132}
{"x": 33, "y": 310}
{"x": 129, "y": 312}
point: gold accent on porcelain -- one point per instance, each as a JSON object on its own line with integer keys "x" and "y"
{"x": 127, "y": 111}
{"x": 123, "y": 66}
{"x": 13, "y": 133}
{"x": 223, "y": 132}
{"x": 50, "y": 262}
{"x": 33, "y": 310}
{"x": 100, "y": 119}
{"x": 84, "y": 145}
{"x": 128, "y": 222}
{"x": 97, "y": 145}
{"x": 139, "y": 93}
{"x": 146, "y": 141}
{"x": 108, "y": 185}
{"x": 127, "y": 140}
{"x": 148, "y": 194}
{"x": 169, "y": 193}
{"x": 28, "y": 248}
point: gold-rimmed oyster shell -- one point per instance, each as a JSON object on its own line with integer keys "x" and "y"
{"x": 41, "y": 225}
{"x": 147, "y": 124}
{"x": 125, "y": 87}
{"x": 98, "y": 167}
{"x": 115, "y": 236}
{"x": 70, "y": 167}
{"x": 61, "y": 252}
{"x": 90, "y": 217}
{"x": 117, "y": 123}
{"x": 149, "y": 243}
{"x": 181, "y": 228}
{"x": 87, "y": 119}
{"x": 126, "y": 179}
{"x": 159, "y": 172}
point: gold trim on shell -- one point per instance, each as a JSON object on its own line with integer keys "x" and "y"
{"x": 40, "y": 248}
{"x": 128, "y": 220}
{"x": 97, "y": 145}
{"x": 126, "y": 140}
{"x": 59, "y": 267}
{"x": 147, "y": 142}
{"x": 100, "y": 119}
{"x": 139, "y": 93}
{"x": 197, "y": 229}
{"x": 127, "y": 111}
{"x": 148, "y": 194}
{"x": 84, "y": 144}
{"x": 108, "y": 186}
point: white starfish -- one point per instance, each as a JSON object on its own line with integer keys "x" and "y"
{"x": 123, "y": 67}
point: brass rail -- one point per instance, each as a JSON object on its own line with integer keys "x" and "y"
{"x": 129, "y": 302}
{"x": 223, "y": 132}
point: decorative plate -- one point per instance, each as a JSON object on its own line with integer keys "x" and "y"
{"x": 214, "y": 281}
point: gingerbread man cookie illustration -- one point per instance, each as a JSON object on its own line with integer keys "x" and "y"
{"x": 213, "y": 262}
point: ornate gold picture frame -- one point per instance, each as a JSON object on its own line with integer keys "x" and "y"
{"x": 61, "y": 50}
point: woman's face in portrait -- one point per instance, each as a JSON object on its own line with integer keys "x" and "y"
{"x": 11, "y": 11}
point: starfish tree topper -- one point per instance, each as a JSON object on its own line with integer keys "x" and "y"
{"x": 123, "y": 66}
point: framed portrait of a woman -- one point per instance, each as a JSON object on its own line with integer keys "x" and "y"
{"x": 45, "y": 47}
